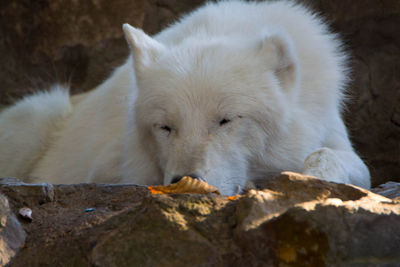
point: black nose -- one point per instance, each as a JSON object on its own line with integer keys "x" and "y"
{"x": 177, "y": 178}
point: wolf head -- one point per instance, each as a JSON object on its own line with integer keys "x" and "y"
{"x": 210, "y": 107}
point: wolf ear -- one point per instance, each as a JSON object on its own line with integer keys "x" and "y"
{"x": 279, "y": 52}
{"x": 144, "y": 48}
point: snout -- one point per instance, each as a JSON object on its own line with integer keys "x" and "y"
{"x": 177, "y": 178}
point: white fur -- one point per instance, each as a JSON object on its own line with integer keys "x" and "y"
{"x": 269, "y": 70}
{"x": 25, "y": 129}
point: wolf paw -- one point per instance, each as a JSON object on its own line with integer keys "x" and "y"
{"x": 326, "y": 165}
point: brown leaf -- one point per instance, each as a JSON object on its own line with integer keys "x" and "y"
{"x": 185, "y": 185}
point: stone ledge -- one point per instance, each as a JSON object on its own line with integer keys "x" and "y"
{"x": 295, "y": 220}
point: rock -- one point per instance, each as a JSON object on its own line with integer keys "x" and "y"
{"x": 78, "y": 43}
{"x": 389, "y": 190}
{"x": 27, "y": 194}
{"x": 373, "y": 114}
{"x": 161, "y": 13}
{"x": 25, "y": 213}
{"x": 296, "y": 220}
{"x": 12, "y": 236}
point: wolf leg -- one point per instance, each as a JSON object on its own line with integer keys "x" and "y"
{"x": 337, "y": 161}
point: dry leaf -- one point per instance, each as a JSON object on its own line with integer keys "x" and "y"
{"x": 185, "y": 185}
{"x": 233, "y": 197}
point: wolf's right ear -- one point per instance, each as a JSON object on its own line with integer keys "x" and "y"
{"x": 144, "y": 48}
{"x": 279, "y": 52}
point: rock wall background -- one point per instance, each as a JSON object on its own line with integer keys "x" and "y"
{"x": 79, "y": 42}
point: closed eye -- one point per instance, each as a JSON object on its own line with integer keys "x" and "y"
{"x": 223, "y": 122}
{"x": 165, "y": 128}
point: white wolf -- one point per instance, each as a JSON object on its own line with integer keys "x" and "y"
{"x": 233, "y": 91}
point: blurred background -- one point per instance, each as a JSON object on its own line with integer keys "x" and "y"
{"x": 79, "y": 42}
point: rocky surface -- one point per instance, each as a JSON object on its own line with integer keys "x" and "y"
{"x": 74, "y": 42}
{"x": 80, "y": 43}
{"x": 389, "y": 189}
{"x": 12, "y": 235}
{"x": 295, "y": 221}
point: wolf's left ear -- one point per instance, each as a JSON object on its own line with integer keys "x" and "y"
{"x": 280, "y": 54}
{"x": 145, "y": 49}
